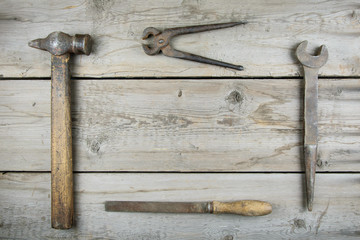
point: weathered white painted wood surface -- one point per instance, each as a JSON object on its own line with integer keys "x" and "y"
{"x": 265, "y": 46}
{"x": 182, "y": 125}
{"x": 202, "y": 125}
{"x": 25, "y": 206}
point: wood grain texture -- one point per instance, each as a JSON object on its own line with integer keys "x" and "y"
{"x": 182, "y": 125}
{"x": 243, "y": 207}
{"x": 62, "y": 197}
{"x": 265, "y": 46}
{"x": 25, "y": 206}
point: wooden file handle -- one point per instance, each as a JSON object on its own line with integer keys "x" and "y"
{"x": 62, "y": 197}
{"x": 245, "y": 207}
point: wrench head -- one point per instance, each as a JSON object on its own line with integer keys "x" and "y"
{"x": 309, "y": 60}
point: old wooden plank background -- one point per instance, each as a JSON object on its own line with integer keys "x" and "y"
{"x": 26, "y": 210}
{"x": 206, "y": 133}
{"x": 264, "y": 46}
{"x": 182, "y": 125}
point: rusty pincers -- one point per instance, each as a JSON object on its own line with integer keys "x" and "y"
{"x": 161, "y": 42}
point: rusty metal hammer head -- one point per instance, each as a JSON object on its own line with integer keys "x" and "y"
{"x": 59, "y": 43}
{"x": 309, "y": 60}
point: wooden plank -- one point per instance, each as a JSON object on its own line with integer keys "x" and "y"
{"x": 182, "y": 125}
{"x": 265, "y": 46}
{"x": 25, "y": 206}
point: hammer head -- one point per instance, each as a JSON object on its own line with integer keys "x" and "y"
{"x": 59, "y": 43}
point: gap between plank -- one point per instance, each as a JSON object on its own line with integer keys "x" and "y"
{"x": 188, "y": 172}
{"x": 183, "y": 78}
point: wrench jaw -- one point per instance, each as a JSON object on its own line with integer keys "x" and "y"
{"x": 309, "y": 60}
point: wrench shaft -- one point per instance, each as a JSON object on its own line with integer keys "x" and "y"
{"x": 311, "y": 130}
{"x": 311, "y": 105}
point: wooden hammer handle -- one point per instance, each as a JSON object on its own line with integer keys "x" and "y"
{"x": 245, "y": 207}
{"x": 62, "y": 198}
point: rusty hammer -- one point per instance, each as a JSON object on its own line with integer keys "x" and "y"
{"x": 60, "y": 45}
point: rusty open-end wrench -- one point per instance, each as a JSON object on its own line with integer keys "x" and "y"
{"x": 60, "y": 45}
{"x": 311, "y": 65}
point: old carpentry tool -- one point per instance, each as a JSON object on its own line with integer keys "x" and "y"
{"x": 161, "y": 42}
{"x": 60, "y": 45}
{"x": 245, "y": 207}
{"x": 311, "y": 65}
